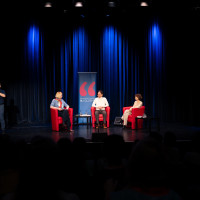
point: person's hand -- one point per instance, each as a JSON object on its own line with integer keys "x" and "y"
{"x": 59, "y": 108}
{"x": 67, "y": 107}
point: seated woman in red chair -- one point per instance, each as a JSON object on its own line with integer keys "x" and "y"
{"x": 59, "y": 104}
{"x": 137, "y": 104}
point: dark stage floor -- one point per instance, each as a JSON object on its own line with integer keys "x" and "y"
{"x": 27, "y": 132}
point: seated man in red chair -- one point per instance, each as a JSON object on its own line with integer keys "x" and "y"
{"x": 59, "y": 104}
{"x": 100, "y": 103}
{"x": 137, "y": 104}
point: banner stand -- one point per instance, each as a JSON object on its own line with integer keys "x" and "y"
{"x": 87, "y": 92}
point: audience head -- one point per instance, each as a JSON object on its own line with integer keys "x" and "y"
{"x": 79, "y": 150}
{"x": 156, "y": 136}
{"x": 113, "y": 149}
{"x": 38, "y": 174}
{"x": 146, "y": 164}
{"x": 8, "y": 153}
{"x": 64, "y": 146}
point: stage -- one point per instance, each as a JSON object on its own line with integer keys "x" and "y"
{"x": 27, "y": 131}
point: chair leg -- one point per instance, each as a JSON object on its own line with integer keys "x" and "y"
{"x": 93, "y": 125}
{"x": 136, "y": 123}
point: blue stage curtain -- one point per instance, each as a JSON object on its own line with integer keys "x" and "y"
{"x": 117, "y": 68}
{"x": 28, "y": 93}
{"x": 122, "y": 68}
{"x": 120, "y": 71}
{"x": 155, "y": 76}
{"x": 35, "y": 86}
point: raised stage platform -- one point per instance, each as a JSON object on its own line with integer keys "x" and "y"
{"x": 28, "y": 131}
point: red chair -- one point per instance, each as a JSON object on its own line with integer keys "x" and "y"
{"x": 135, "y": 113}
{"x": 56, "y": 120}
{"x": 100, "y": 116}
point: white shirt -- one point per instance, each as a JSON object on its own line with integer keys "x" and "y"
{"x": 100, "y": 102}
{"x": 137, "y": 104}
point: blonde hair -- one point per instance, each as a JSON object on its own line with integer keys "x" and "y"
{"x": 58, "y": 94}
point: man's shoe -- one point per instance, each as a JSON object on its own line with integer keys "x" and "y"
{"x": 104, "y": 126}
{"x": 97, "y": 126}
{"x": 63, "y": 127}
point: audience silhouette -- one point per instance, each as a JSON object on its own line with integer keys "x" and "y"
{"x": 155, "y": 168}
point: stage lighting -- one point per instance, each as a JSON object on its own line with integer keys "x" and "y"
{"x": 78, "y": 4}
{"x": 48, "y": 5}
{"x": 143, "y": 3}
{"x": 111, "y": 4}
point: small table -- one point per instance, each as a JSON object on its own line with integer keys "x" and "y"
{"x": 76, "y": 119}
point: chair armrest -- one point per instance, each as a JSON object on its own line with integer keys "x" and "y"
{"x": 54, "y": 111}
{"x": 137, "y": 112}
{"x": 93, "y": 111}
{"x": 70, "y": 110}
{"x": 107, "y": 111}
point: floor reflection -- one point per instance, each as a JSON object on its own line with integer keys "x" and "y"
{"x": 28, "y": 132}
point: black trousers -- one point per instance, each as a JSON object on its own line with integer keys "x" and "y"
{"x": 97, "y": 112}
{"x": 65, "y": 116}
{"x": 2, "y": 121}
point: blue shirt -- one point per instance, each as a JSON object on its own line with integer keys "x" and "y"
{"x": 55, "y": 103}
{"x": 2, "y": 98}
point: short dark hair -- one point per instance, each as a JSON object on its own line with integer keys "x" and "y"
{"x": 100, "y": 91}
{"x": 139, "y": 96}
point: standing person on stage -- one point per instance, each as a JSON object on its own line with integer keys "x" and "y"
{"x": 137, "y": 104}
{"x": 59, "y": 104}
{"x": 2, "y": 97}
{"x": 100, "y": 103}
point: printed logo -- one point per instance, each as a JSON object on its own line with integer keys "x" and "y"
{"x": 82, "y": 89}
{"x": 91, "y": 91}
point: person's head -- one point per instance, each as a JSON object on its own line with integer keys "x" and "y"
{"x": 138, "y": 97}
{"x": 113, "y": 149}
{"x": 100, "y": 93}
{"x": 58, "y": 95}
{"x": 147, "y": 159}
{"x": 156, "y": 136}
